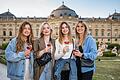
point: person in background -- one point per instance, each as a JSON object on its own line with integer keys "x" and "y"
{"x": 86, "y": 52}
{"x": 63, "y": 54}
{"x": 19, "y": 54}
{"x": 42, "y": 45}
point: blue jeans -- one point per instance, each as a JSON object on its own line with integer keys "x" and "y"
{"x": 59, "y": 66}
{"x": 46, "y": 74}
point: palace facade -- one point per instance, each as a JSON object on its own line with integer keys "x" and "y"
{"x": 102, "y": 29}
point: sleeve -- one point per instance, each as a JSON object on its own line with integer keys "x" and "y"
{"x": 37, "y": 52}
{"x": 92, "y": 49}
{"x": 59, "y": 50}
{"x": 11, "y": 54}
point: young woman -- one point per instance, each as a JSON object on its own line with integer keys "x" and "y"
{"x": 40, "y": 47}
{"x": 86, "y": 53}
{"x": 63, "y": 53}
{"x": 19, "y": 54}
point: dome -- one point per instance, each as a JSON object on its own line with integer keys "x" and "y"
{"x": 63, "y": 11}
{"x": 7, "y": 15}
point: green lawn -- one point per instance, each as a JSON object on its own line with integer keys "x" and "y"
{"x": 107, "y": 70}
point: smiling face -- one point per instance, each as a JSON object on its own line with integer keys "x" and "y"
{"x": 46, "y": 30}
{"x": 26, "y": 30}
{"x": 65, "y": 29}
{"x": 80, "y": 28}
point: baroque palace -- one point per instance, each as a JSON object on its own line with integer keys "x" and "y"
{"x": 102, "y": 29}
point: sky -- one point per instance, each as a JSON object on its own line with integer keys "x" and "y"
{"x": 43, "y": 8}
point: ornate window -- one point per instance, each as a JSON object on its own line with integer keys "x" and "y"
{"x": 108, "y": 32}
{"x": 96, "y": 32}
{"x": 10, "y": 33}
{"x": 4, "y": 33}
{"x": 102, "y": 32}
{"x": 115, "y": 32}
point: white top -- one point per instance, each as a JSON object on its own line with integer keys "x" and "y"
{"x": 59, "y": 50}
{"x": 27, "y": 72}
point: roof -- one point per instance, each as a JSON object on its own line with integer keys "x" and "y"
{"x": 114, "y": 16}
{"x": 7, "y": 15}
{"x": 63, "y": 11}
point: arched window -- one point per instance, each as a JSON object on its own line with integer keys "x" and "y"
{"x": 96, "y": 32}
{"x": 102, "y": 32}
{"x": 4, "y": 33}
{"x": 60, "y": 14}
{"x": 10, "y": 33}
{"x": 108, "y": 32}
{"x": 4, "y": 39}
{"x": 69, "y": 14}
{"x": 116, "y": 32}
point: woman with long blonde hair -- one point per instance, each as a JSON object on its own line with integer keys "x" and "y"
{"x": 42, "y": 45}
{"x": 86, "y": 52}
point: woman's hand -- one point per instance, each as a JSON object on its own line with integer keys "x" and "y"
{"x": 77, "y": 53}
{"x": 48, "y": 48}
{"x": 27, "y": 52}
{"x": 65, "y": 49}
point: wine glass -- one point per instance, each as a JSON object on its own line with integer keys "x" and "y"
{"x": 67, "y": 45}
{"x": 49, "y": 45}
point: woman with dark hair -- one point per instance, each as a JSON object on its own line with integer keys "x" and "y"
{"x": 19, "y": 54}
{"x": 63, "y": 54}
{"x": 42, "y": 45}
{"x": 86, "y": 52}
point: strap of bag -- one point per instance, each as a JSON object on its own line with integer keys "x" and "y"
{"x": 73, "y": 47}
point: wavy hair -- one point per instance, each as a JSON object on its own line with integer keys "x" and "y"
{"x": 86, "y": 29}
{"x": 61, "y": 34}
{"x": 41, "y": 29}
{"x": 20, "y": 39}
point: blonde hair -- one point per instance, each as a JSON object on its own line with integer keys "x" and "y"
{"x": 41, "y": 29}
{"x": 86, "y": 29}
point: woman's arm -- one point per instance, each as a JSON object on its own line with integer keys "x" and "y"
{"x": 91, "y": 49}
{"x": 59, "y": 50}
{"x": 11, "y": 54}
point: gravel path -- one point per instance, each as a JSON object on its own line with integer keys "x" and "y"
{"x": 3, "y": 72}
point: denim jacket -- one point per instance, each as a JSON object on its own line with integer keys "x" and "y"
{"x": 16, "y": 62}
{"x": 89, "y": 51}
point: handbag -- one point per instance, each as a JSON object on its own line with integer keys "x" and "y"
{"x": 44, "y": 59}
{"x": 85, "y": 62}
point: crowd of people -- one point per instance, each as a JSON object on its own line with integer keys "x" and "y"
{"x": 78, "y": 53}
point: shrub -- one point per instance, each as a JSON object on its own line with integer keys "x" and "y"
{"x": 111, "y": 46}
{"x": 4, "y": 45}
{"x": 2, "y": 59}
{"x": 108, "y": 54}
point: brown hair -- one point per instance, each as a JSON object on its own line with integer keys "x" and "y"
{"x": 61, "y": 34}
{"x": 20, "y": 40}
